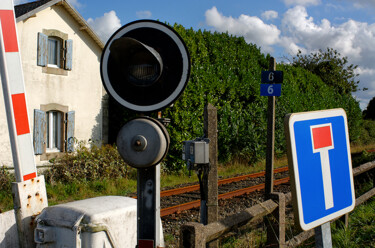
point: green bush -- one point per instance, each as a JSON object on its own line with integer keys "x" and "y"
{"x": 89, "y": 164}
{"x": 226, "y": 72}
{"x": 6, "y": 180}
{"x": 367, "y": 132}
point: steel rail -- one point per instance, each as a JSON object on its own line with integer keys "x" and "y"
{"x": 195, "y": 187}
{"x": 196, "y": 203}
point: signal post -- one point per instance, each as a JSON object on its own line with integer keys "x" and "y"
{"x": 145, "y": 66}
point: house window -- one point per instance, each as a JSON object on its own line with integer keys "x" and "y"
{"x": 53, "y": 130}
{"x": 54, "y": 46}
{"x": 54, "y": 134}
{"x": 55, "y": 51}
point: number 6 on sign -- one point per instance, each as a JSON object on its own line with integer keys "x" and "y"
{"x": 270, "y": 89}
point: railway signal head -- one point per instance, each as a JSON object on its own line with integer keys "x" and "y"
{"x": 145, "y": 66}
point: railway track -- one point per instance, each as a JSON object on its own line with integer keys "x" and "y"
{"x": 186, "y": 198}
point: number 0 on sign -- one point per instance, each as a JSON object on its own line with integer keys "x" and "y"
{"x": 320, "y": 166}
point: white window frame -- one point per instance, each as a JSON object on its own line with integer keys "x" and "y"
{"x": 57, "y": 51}
{"x": 54, "y": 134}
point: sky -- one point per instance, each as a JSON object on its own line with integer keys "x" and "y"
{"x": 278, "y": 27}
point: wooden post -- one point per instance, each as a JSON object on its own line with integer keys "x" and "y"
{"x": 210, "y": 131}
{"x": 270, "y": 138}
{"x": 276, "y": 222}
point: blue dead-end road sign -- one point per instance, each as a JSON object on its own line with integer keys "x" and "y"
{"x": 320, "y": 166}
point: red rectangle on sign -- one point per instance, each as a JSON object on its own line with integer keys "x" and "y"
{"x": 29, "y": 176}
{"x": 145, "y": 243}
{"x": 20, "y": 114}
{"x": 321, "y": 137}
{"x": 9, "y": 30}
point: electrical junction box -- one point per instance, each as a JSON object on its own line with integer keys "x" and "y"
{"x": 196, "y": 151}
{"x": 107, "y": 221}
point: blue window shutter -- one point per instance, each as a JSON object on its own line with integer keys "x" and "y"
{"x": 39, "y": 131}
{"x": 68, "y": 54}
{"x": 42, "y": 49}
{"x": 70, "y": 120}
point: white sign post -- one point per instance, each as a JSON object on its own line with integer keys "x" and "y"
{"x": 30, "y": 195}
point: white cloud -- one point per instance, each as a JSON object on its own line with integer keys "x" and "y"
{"x": 302, "y": 2}
{"x": 105, "y": 25}
{"x": 144, "y": 14}
{"x": 363, "y": 3}
{"x": 352, "y": 39}
{"x": 367, "y": 78}
{"x": 269, "y": 14}
{"x": 252, "y": 28}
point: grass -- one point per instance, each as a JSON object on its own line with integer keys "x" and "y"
{"x": 361, "y": 229}
{"x": 59, "y": 192}
{"x": 244, "y": 239}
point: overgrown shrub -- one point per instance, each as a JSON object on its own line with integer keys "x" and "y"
{"x": 89, "y": 164}
{"x": 226, "y": 72}
{"x": 6, "y": 180}
{"x": 367, "y": 132}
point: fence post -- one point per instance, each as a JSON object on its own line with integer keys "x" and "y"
{"x": 210, "y": 131}
{"x": 192, "y": 235}
{"x": 345, "y": 220}
{"x": 276, "y": 222}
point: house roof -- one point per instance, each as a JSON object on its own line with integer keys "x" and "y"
{"x": 27, "y": 10}
{"x": 27, "y": 7}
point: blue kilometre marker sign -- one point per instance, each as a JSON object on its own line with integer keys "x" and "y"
{"x": 271, "y": 83}
{"x": 320, "y": 166}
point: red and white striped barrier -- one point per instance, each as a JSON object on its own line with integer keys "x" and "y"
{"x": 14, "y": 95}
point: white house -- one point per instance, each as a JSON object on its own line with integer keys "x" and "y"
{"x": 66, "y": 101}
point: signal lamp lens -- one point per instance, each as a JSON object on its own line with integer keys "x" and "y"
{"x": 143, "y": 70}
{"x": 142, "y": 65}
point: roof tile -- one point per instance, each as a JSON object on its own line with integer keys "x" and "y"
{"x": 27, "y": 7}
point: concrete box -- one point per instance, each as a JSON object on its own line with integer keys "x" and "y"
{"x": 107, "y": 221}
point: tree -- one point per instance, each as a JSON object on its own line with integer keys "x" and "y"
{"x": 369, "y": 112}
{"x": 331, "y": 67}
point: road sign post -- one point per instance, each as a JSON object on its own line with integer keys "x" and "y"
{"x": 320, "y": 166}
{"x": 271, "y": 86}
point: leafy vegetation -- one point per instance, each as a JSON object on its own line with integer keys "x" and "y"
{"x": 226, "y": 73}
{"x": 88, "y": 164}
{"x": 331, "y": 67}
{"x": 6, "y": 180}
